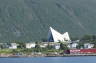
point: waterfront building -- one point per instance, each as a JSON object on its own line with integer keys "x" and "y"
{"x": 43, "y": 45}
{"x": 73, "y": 45}
{"x": 55, "y": 36}
{"x": 13, "y": 46}
{"x": 88, "y": 45}
{"x": 82, "y": 51}
{"x": 57, "y": 45}
{"x": 30, "y": 45}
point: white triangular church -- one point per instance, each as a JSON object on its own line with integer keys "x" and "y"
{"x": 55, "y": 36}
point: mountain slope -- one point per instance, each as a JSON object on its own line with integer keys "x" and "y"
{"x": 29, "y": 20}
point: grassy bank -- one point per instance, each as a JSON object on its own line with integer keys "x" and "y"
{"x": 28, "y": 51}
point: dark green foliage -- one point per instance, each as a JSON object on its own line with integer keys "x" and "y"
{"x": 14, "y": 51}
{"x": 94, "y": 46}
{"x": 63, "y": 46}
{"x": 49, "y": 47}
{"x": 80, "y": 45}
{"x": 21, "y": 45}
{"x": 29, "y": 20}
{"x": 75, "y": 38}
{"x": 1, "y": 46}
{"x": 88, "y": 39}
{"x": 37, "y": 47}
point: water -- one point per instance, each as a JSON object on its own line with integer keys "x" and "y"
{"x": 83, "y": 59}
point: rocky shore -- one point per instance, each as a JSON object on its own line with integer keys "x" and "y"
{"x": 45, "y": 55}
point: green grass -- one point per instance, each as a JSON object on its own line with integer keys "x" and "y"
{"x": 5, "y": 51}
{"x": 26, "y": 51}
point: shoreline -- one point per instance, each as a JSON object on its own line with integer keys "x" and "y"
{"x": 43, "y": 55}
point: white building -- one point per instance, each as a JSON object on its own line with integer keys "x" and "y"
{"x": 88, "y": 45}
{"x": 57, "y": 46}
{"x": 30, "y": 45}
{"x": 13, "y": 46}
{"x": 54, "y": 36}
{"x": 43, "y": 45}
{"x": 73, "y": 45}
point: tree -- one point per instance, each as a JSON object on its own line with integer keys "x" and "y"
{"x": 88, "y": 38}
{"x": 80, "y": 45}
{"x": 37, "y": 47}
{"x": 1, "y": 46}
{"x": 94, "y": 46}
{"x": 63, "y": 46}
{"x": 75, "y": 38}
{"x": 21, "y": 45}
{"x": 49, "y": 46}
{"x": 14, "y": 51}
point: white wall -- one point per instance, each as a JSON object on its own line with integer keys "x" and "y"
{"x": 30, "y": 45}
{"x": 13, "y": 46}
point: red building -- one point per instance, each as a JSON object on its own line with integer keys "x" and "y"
{"x": 83, "y": 51}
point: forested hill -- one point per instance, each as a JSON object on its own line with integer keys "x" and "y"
{"x": 29, "y": 20}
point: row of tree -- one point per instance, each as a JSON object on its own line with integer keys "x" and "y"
{"x": 86, "y": 39}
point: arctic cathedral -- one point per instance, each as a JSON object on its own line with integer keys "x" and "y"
{"x": 55, "y": 36}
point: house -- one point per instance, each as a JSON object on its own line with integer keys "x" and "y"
{"x": 88, "y": 45}
{"x": 53, "y": 44}
{"x": 72, "y": 45}
{"x": 57, "y": 45}
{"x": 30, "y": 45}
{"x": 43, "y": 45}
{"x": 13, "y": 46}
{"x": 55, "y": 36}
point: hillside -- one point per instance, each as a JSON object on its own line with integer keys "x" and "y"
{"x": 29, "y": 20}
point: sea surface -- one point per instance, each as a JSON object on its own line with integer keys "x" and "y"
{"x": 81, "y": 59}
